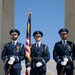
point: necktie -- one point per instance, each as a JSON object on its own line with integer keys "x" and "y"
{"x": 37, "y": 45}
{"x": 65, "y": 44}
{"x": 13, "y": 43}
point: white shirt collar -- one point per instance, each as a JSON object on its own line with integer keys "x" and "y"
{"x": 15, "y": 42}
{"x": 63, "y": 41}
{"x": 38, "y": 43}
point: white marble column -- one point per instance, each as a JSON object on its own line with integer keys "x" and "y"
{"x": 70, "y": 20}
{"x": 6, "y": 23}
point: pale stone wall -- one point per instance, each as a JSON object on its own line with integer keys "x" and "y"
{"x": 1, "y": 67}
{"x": 70, "y": 20}
{"x": 6, "y": 23}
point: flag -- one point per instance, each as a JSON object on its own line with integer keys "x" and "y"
{"x": 28, "y": 37}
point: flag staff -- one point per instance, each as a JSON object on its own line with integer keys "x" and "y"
{"x": 28, "y": 40}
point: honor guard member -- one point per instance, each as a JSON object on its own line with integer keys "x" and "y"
{"x": 40, "y": 55}
{"x": 12, "y": 54}
{"x": 64, "y": 53}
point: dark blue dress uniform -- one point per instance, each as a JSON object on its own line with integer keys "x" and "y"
{"x": 42, "y": 55}
{"x": 39, "y": 54}
{"x": 18, "y": 52}
{"x": 61, "y": 51}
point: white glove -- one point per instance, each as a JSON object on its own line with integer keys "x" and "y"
{"x": 28, "y": 69}
{"x": 63, "y": 63}
{"x": 10, "y": 62}
{"x": 12, "y": 58}
{"x": 65, "y": 59}
{"x": 38, "y": 64}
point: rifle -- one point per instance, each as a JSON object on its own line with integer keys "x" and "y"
{"x": 61, "y": 73}
{"x": 8, "y": 71}
{"x": 62, "y": 70}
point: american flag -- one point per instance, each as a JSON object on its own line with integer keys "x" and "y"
{"x": 28, "y": 37}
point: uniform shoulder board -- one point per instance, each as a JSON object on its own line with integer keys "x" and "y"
{"x": 72, "y": 44}
{"x": 44, "y": 46}
{"x": 44, "y": 49}
{"x": 21, "y": 45}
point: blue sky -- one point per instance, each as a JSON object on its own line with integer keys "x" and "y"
{"x": 47, "y": 16}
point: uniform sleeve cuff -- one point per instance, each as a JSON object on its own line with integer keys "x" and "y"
{"x": 16, "y": 58}
{"x": 6, "y": 60}
{"x": 27, "y": 65}
{"x": 70, "y": 59}
{"x": 43, "y": 61}
{"x": 59, "y": 60}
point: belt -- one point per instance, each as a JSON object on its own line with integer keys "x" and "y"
{"x": 63, "y": 57}
{"x": 37, "y": 58}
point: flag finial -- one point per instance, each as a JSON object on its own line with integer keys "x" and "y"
{"x": 29, "y": 13}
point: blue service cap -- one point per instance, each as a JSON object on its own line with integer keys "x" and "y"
{"x": 14, "y": 31}
{"x": 63, "y": 30}
{"x": 38, "y": 33}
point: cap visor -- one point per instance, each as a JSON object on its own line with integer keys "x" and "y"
{"x": 14, "y": 33}
{"x": 38, "y": 35}
{"x": 63, "y": 33}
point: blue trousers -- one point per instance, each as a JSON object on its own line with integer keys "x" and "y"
{"x": 67, "y": 71}
{"x": 14, "y": 71}
{"x": 37, "y": 72}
